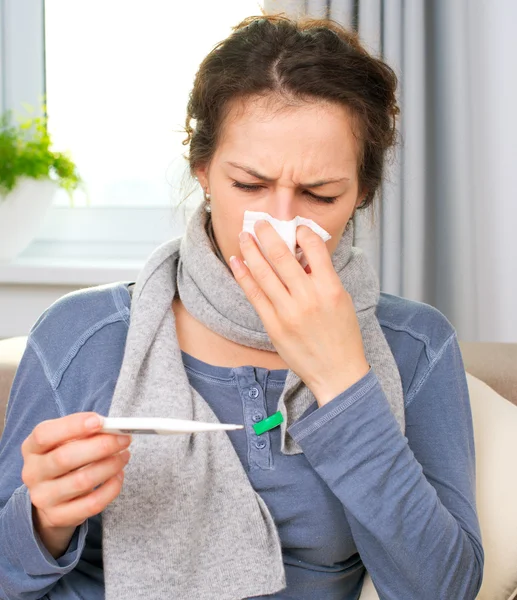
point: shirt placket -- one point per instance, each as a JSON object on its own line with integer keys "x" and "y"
{"x": 254, "y": 410}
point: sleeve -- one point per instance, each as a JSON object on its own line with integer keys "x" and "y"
{"x": 27, "y": 569}
{"x": 410, "y": 501}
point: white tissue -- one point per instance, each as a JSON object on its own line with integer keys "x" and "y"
{"x": 285, "y": 229}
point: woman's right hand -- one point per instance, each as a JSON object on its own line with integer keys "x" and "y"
{"x": 72, "y": 472}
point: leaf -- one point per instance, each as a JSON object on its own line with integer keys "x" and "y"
{"x": 28, "y": 107}
{"x": 25, "y": 151}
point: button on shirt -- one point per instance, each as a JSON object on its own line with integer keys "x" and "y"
{"x": 360, "y": 495}
{"x": 254, "y": 392}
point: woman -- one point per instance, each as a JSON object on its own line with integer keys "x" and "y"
{"x": 373, "y": 465}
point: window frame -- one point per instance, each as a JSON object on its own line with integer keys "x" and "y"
{"x": 22, "y": 81}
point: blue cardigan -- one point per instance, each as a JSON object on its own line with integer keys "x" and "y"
{"x": 361, "y": 494}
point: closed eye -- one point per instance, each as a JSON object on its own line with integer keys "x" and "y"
{"x": 249, "y": 187}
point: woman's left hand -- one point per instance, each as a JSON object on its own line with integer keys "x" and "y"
{"x": 309, "y": 317}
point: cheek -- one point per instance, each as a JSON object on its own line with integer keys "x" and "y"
{"x": 332, "y": 244}
{"x": 227, "y": 224}
{"x": 336, "y": 234}
{"x": 336, "y": 228}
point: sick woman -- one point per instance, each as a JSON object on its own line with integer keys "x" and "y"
{"x": 365, "y": 464}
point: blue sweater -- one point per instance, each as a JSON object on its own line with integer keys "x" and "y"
{"x": 361, "y": 494}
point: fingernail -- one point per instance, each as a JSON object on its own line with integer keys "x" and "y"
{"x": 121, "y": 475}
{"x": 123, "y": 440}
{"x": 93, "y": 422}
{"x": 235, "y": 264}
{"x": 244, "y": 236}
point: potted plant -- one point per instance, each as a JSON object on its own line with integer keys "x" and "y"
{"x": 30, "y": 175}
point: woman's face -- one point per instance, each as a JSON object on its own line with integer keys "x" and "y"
{"x": 285, "y": 161}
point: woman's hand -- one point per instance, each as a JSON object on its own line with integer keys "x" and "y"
{"x": 309, "y": 317}
{"x": 64, "y": 460}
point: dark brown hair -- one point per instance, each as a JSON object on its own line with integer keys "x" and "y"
{"x": 296, "y": 60}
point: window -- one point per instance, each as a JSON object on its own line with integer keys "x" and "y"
{"x": 116, "y": 76}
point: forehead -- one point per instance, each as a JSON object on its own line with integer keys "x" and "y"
{"x": 309, "y": 136}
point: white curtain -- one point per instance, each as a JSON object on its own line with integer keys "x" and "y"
{"x": 445, "y": 229}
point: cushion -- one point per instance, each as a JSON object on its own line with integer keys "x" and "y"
{"x": 495, "y": 427}
{"x": 368, "y": 592}
{"x": 11, "y": 351}
{"x": 494, "y": 363}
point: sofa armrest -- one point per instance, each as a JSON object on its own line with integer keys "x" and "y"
{"x": 11, "y": 351}
{"x": 495, "y": 363}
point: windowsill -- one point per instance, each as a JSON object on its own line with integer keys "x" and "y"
{"x": 34, "y": 271}
{"x": 74, "y": 264}
{"x": 92, "y": 246}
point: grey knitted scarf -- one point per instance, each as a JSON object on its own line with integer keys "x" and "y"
{"x": 187, "y": 524}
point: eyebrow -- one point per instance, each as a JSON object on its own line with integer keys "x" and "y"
{"x": 254, "y": 173}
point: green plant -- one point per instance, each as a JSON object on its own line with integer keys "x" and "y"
{"x": 25, "y": 151}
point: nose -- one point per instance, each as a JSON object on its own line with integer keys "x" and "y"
{"x": 282, "y": 204}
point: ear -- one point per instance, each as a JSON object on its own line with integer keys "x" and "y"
{"x": 361, "y": 198}
{"x": 202, "y": 176}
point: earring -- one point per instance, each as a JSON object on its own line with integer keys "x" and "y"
{"x": 207, "y": 202}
